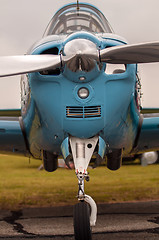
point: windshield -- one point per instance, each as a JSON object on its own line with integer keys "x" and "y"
{"x": 70, "y": 19}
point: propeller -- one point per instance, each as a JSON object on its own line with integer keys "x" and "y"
{"x": 14, "y": 65}
{"x": 80, "y": 54}
{"x": 129, "y": 54}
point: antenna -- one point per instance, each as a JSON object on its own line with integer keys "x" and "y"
{"x": 78, "y": 8}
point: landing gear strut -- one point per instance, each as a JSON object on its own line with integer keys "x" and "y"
{"x": 85, "y": 212}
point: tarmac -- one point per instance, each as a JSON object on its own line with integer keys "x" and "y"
{"x": 138, "y": 220}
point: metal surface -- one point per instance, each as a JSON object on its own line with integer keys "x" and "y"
{"x": 82, "y": 151}
{"x": 11, "y": 136}
{"x": 14, "y": 65}
{"x": 129, "y": 54}
{"x": 53, "y": 112}
{"x": 85, "y": 53}
{"x": 93, "y": 206}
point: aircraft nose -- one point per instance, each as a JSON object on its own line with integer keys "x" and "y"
{"x": 84, "y": 52}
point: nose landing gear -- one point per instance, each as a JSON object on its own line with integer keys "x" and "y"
{"x": 85, "y": 212}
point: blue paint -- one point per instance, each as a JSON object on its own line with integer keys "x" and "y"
{"x": 52, "y": 110}
{"x": 112, "y": 93}
{"x": 149, "y": 137}
{"x": 65, "y": 148}
{"x": 102, "y": 147}
{"x": 11, "y": 137}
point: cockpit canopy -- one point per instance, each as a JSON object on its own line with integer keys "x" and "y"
{"x": 70, "y": 19}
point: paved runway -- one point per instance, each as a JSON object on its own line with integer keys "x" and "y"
{"x": 115, "y": 221}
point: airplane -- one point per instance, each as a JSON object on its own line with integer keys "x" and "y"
{"x": 80, "y": 98}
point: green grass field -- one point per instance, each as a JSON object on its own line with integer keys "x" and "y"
{"x": 22, "y": 185}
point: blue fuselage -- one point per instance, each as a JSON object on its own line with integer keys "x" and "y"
{"x": 52, "y": 109}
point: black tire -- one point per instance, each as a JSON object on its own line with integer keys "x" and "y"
{"x": 157, "y": 162}
{"x": 82, "y": 229}
{"x": 114, "y": 159}
{"x": 50, "y": 161}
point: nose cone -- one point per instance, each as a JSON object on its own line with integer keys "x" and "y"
{"x": 84, "y": 54}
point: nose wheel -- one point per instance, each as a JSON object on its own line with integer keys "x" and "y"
{"x": 85, "y": 212}
{"x": 82, "y": 228}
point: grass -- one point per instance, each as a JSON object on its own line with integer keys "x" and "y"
{"x": 22, "y": 185}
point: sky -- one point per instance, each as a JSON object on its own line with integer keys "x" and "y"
{"x": 23, "y": 22}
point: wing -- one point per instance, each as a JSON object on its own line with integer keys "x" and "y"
{"x": 149, "y": 111}
{"x": 10, "y": 112}
{"x": 148, "y": 136}
{"x": 12, "y": 137}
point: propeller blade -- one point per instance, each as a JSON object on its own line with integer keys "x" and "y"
{"x": 14, "y": 65}
{"x": 129, "y": 54}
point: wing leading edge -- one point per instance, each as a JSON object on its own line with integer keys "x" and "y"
{"x": 10, "y": 112}
{"x": 12, "y": 140}
{"x": 149, "y": 135}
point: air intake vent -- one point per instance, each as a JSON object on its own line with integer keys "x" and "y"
{"x": 83, "y": 112}
{"x": 94, "y": 111}
{"x": 74, "y": 112}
